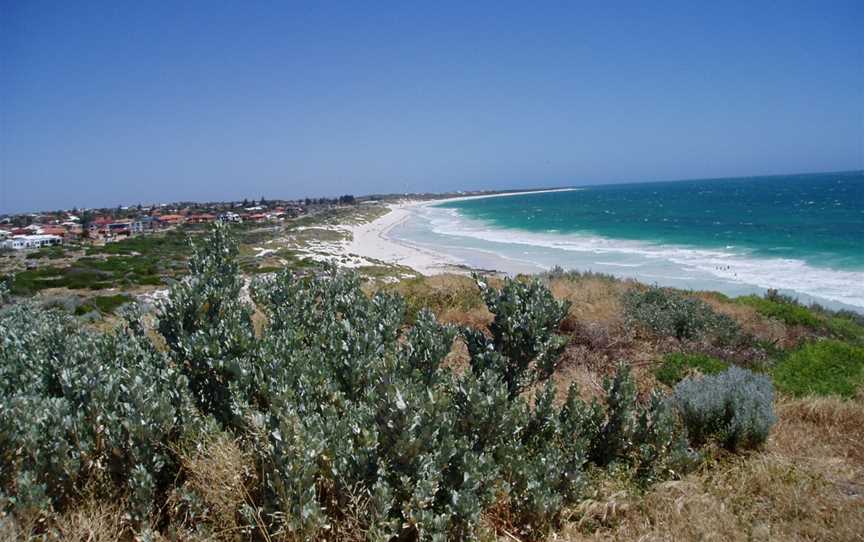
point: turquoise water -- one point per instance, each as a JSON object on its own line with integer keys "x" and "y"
{"x": 800, "y": 234}
{"x": 815, "y": 218}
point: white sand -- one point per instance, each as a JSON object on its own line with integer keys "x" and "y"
{"x": 371, "y": 240}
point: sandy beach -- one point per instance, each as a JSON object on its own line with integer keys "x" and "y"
{"x": 371, "y": 240}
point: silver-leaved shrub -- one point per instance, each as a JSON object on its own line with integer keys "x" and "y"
{"x": 84, "y": 411}
{"x": 734, "y": 408}
{"x": 524, "y": 347}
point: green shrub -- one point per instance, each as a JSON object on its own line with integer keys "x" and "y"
{"x": 645, "y": 436}
{"x": 81, "y": 410}
{"x": 110, "y": 303}
{"x": 524, "y": 347}
{"x": 558, "y": 273}
{"x": 53, "y": 253}
{"x": 89, "y": 273}
{"x": 821, "y": 368}
{"x": 207, "y": 327}
{"x": 677, "y": 365}
{"x": 780, "y": 307}
{"x": 669, "y": 314}
{"x": 841, "y": 326}
{"x": 734, "y": 408}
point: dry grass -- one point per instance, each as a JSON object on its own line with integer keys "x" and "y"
{"x": 805, "y": 485}
{"x": 594, "y": 299}
{"x": 826, "y": 433}
{"x": 458, "y": 360}
{"x": 219, "y": 472}
{"x": 455, "y": 299}
{"x": 94, "y": 520}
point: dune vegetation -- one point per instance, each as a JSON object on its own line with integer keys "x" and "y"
{"x": 311, "y": 405}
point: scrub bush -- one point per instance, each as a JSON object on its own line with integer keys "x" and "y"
{"x": 669, "y": 314}
{"x": 781, "y": 307}
{"x": 81, "y": 410}
{"x": 524, "y": 347}
{"x": 207, "y": 327}
{"x": 106, "y": 304}
{"x": 734, "y": 407}
{"x": 646, "y": 436}
{"x": 845, "y": 328}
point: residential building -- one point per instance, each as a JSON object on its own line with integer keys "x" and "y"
{"x": 204, "y": 218}
{"x": 20, "y": 242}
{"x": 172, "y": 220}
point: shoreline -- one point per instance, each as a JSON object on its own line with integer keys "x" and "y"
{"x": 371, "y": 240}
{"x": 374, "y": 241}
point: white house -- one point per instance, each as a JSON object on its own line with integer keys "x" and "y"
{"x": 19, "y": 242}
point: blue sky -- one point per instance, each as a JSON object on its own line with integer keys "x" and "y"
{"x": 107, "y": 103}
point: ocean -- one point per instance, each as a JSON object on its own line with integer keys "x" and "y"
{"x": 801, "y": 234}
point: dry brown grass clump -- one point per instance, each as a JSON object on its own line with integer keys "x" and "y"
{"x": 220, "y": 473}
{"x": 455, "y": 299}
{"x": 594, "y": 299}
{"x": 94, "y": 520}
{"x": 826, "y": 433}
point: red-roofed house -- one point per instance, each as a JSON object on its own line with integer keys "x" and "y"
{"x": 53, "y": 230}
{"x": 201, "y": 219}
{"x": 172, "y": 220}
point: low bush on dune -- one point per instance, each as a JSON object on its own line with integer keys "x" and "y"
{"x": 107, "y": 304}
{"x": 558, "y": 273}
{"x": 846, "y": 327}
{"x": 675, "y": 367}
{"x": 821, "y": 368}
{"x": 782, "y": 308}
{"x": 735, "y": 408}
{"x": 816, "y": 320}
{"x": 667, "y": 313}
{"x": 524, "y": 346}
{"x": 338, "y": 411}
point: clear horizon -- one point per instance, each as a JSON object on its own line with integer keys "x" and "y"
{"x": 453, "y": 191}
{"x": 110, "y": 104}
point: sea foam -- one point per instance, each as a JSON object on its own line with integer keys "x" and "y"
{"x": 641, "y": 260}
